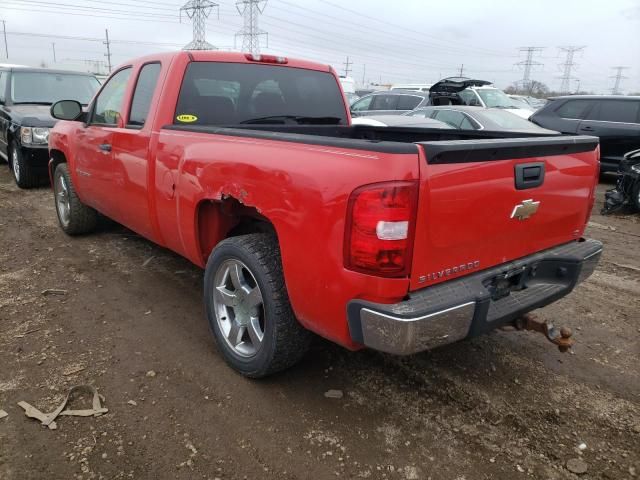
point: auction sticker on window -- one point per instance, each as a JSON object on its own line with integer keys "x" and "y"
{"x": 186, "y": 118}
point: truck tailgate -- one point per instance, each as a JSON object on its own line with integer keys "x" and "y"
{"x": 487, "y": 202}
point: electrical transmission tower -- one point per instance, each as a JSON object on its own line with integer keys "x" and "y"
{"x": 618, "y": 79}
{"x": 525, "y": 84}
{"x": 567, "y": 66}
{"x": 198, "y": 11}
{"x": 251, "y": 33}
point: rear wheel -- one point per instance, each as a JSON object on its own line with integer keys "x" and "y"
{"x": 22, "y": 172}
{"x": 74, "y": 217}
{"x": 248, "y": 307}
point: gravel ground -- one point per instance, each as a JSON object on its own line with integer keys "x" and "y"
{"x": 506, "y": 405}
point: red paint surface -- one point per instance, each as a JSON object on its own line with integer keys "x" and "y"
{"x": 157, "y": 182}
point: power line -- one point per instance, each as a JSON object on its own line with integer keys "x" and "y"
{"x": 567, "y": 66}
{"x": 198, "y": 11}
{"x": 528, "y": 64}
{"x": 618, "y": 79}
{"x": 251, "y": 33}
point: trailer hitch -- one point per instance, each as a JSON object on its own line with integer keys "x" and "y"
{"x": 560, "y": 337}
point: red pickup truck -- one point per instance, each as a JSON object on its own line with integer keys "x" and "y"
{"x": 396, "y": 239}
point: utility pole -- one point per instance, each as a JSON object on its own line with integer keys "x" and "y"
{"x": 53, "y": 46}
{"x": 198, "y": 11}
{"x": 347, "y": 67}
{"x": 528, "y": 64}
{"x": 108, "y": 44}
{"x": 618, "y": 79}
{"x": 567, "y": 66}
{"x": 251, "y": 32}
{"x": 364, "y": 72}
{"x": 6, "y": 47}
{"x": 461, "y": 70}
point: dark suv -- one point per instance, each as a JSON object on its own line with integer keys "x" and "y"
{"x": 613, "y": 118}
{"x": 388, "y": 103}
{"x": 26, "y": 94}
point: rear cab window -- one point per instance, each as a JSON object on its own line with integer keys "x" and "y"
{"x": 143, "y": 94}
{"x": 218, "y": 93}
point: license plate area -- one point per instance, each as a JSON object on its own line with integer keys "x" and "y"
{"x": 513, "y": 280}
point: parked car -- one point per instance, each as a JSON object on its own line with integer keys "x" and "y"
{"x": 304, "y": 222}
{"x": 627, "y": 190}
{"x": 388, "y": 103}
{"x": 615, "y": 119}
{"x": 411, "y": 87}
{"x": 530, "y": 102}
{"x": 475, "y": 93}
{"x": 26, "y": 95}
{"x": 478, "y": 118}
{"x": 399, "y": 121}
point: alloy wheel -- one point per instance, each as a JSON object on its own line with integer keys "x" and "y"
{"x": 63, "y": 204}
{"x": 239, "y": 308}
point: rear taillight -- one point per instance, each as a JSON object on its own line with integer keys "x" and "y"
{"x": 265, "y": 58}
{"x": 380, "y": 227}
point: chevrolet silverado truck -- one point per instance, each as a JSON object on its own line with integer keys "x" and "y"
{"x": 26, "y": 96}
{"x": 393, "y": 238}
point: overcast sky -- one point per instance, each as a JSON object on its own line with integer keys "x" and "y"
{"x": 387, "y": 41}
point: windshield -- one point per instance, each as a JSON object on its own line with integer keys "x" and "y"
{"x": 215, "y": 93}
{"x": 48, "y": 87}
{"x": 492, "y": 97}
{"x": 506, "y": 120}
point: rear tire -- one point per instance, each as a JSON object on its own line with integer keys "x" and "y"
{"x": 75, "y": 217}
{"x": 248, "y": 307}
{"x": 22, "y": 172}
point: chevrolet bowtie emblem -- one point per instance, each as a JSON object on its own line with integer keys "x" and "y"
{"x": 524, "y": 210}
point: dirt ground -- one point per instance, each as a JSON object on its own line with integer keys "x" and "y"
{"x": 506, "y": 405}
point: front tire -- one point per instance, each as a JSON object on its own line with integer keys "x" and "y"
{"x": 248, "y": 306}
{"x": 22, "y": 172}
{"x": 75, "y": 217}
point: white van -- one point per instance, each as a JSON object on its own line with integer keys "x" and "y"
{"x": 412, "y": 87}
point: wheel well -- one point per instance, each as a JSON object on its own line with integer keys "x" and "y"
{"x": 57, "y": 157}
{"x": 218, "y": 220}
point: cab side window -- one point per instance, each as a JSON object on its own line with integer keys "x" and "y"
{"x": 145, "y": 87}
{"x": 108, "y": 106}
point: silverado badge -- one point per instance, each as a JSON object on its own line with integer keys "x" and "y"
{"x": 524, "y": 210}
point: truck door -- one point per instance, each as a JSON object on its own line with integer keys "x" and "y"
{"x": 131, "y": 153}
{"x": 94, "y": 166}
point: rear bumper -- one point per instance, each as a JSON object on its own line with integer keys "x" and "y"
{"x": 471, "y": 305}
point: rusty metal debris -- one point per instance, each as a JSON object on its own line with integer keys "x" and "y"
{"x": 48, "y": 419}
{"x": 558, "y": 336}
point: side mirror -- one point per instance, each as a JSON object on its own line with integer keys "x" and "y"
{"x": 67, "y": 110}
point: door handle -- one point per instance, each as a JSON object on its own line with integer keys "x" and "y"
{"x": 587, "y": 128}
{"x": 104, "y": 147}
